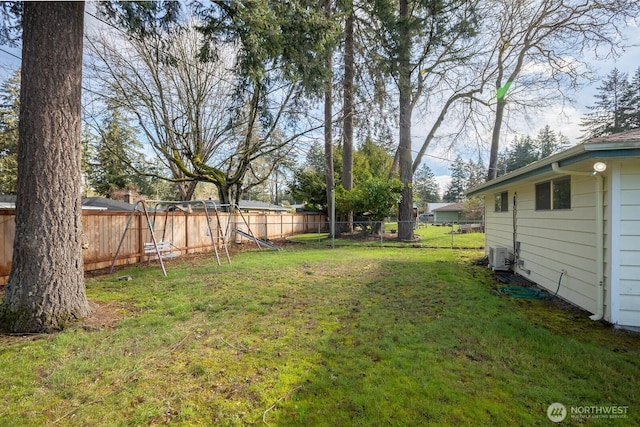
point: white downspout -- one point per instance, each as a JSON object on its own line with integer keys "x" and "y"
{"x": 599, "y": 237}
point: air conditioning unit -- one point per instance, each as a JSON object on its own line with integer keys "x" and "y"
{"x": 498, "y": 258}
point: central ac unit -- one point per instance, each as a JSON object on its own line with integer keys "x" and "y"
{"x": 498, "y": 257}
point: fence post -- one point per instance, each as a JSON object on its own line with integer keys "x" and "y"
{"x": 186, "y": 232}
{"x": 452, "y": 235}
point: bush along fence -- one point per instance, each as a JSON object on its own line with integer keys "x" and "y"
{"x": 183, "y": 233}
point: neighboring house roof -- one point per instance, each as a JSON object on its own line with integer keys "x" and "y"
{"x": 7, "y": 201}
{"x": 102, "y": 203}
{"x": 261, "y": 206}
{"x": 88, "y": 203}
{"x": 432, "y": 206}
{"x": 451, "y": 207}
{"x": 7, "y": 198}
{"x": 254, "y": 205}
{"x": 106, "y": 204}
{"x": 622, "y": 144}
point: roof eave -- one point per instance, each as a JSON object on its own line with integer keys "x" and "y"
{"x": 534, "y": 168}
{"x": 570, "y": 156}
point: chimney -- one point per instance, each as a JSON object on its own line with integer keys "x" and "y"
{"x": 128, "y": 198}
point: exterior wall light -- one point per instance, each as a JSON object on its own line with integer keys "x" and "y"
{"x": 599, "y": 167}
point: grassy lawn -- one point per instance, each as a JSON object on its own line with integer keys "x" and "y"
{"x": 318, "y": 337}
{"x": 428, "y": 236}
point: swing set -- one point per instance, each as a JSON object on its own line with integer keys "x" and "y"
{"x": 163, "y": 247}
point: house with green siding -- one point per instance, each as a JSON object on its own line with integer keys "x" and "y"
{"x": 448, "y": 214}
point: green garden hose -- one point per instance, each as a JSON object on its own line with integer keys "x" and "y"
{"x": 530, "y": 293}
{"x": 559, "y": 280}
{"x": 524, "y": 292}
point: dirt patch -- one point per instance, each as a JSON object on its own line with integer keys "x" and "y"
{"x": 103, "y": 316}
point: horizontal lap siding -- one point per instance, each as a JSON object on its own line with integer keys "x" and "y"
{"x": 499, "y": 225}
{"x": 551, "y": 241}
{"x": 629, "y": 244}
{"x": 188, "y": 233}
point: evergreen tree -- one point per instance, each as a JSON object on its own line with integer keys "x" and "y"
{"x": 89, "y": 143}
{"x": 548, "y": 143}
{"x": 523, "y": 151}
{"x": 634, "y": 100}
{"x": 315, "y": 157}
{"x": 371, "y": 160}
{"x": 455, "y": 191}
{"x": 425, "y": 186}
{"x": 309, "y": 183}
{"x": 114, "y": 154}
{"x": 9, "y": 116}
{"x": 476, "y": 174}
{"x": 612, "y": 111}
{"x": 46, "y": 287}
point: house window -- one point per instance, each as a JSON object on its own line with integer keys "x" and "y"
{"x": 502, "y": 202}
{"x": 562, "y": 193}
{"x": 554, "y": 194}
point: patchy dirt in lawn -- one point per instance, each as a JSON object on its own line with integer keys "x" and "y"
{"x": 103, "y": 316}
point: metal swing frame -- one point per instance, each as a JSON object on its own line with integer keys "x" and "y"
{"x": 155, "y": 246}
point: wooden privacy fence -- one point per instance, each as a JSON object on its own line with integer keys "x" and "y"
{"x": 187, "y": 232}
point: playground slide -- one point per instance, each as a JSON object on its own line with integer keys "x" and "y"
{"x": 259, "y": 242}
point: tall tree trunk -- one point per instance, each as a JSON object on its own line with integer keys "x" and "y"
{"x": 495, "y": 139}
{"x": 186, "y": 190}
{"x": 46, "y": 286}
{"x": 405, "y": 210}
{"x": 224, "y": 195}
{"x": 347, "y": 146}
{"x": 328, "y": 131}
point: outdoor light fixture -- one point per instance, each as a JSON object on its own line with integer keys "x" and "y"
{"x": 599, "y": 167}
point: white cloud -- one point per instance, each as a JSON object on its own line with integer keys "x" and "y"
{"x": 443, "y": 182}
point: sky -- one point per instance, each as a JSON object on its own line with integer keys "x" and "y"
{"x": 562, "y": 119}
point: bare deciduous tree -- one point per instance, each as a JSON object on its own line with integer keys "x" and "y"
{"x": 554, "y": 36}
{"x": 201, "y": 121}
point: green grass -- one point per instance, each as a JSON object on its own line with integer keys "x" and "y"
{"x": 351, "y": 336}
{"x": 428, "y": 236}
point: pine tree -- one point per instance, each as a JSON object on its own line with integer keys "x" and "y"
{"x": 523, "y": 151}
{"x": 634, "y": 101}
{"x": 9, "y": 115}
{"x": 425, "y": 186}
{"x": 611, "y": 112}
{"x": 114, "y": 152}
{"x": 476, "y": 174}
{"x": 548, "y": 143}
{"x": 46, "y": 287}
{"x": 374, "y": 158}
{"x": 455, "y": 191}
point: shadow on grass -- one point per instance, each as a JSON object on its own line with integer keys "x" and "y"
{"x": 363, "y": 336}
{"x": 426, "y": 342}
